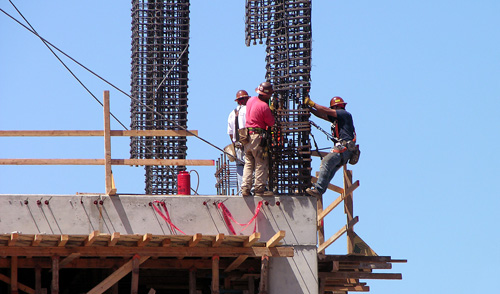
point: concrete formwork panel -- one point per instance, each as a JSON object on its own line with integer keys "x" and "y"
{"x": 134, "y": 214}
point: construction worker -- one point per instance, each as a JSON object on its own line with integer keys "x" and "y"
{"x": 236, "y": 121}
{"x": 259, "y": 118}
{"x": 344, "y": 136}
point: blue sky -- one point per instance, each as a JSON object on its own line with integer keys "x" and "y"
{"x": 421, "y": 78}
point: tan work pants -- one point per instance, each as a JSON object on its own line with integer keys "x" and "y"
{"x": 255, "y": 162}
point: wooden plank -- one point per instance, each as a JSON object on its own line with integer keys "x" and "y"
{"x": 141, "y": 162}
{"x": 115, "y": 276}
{"x": 264, "y": 275}
{"x": 166, "y": 242}
{"x": 149, "y": 251}
{"x": 330, "y": 186}
{"x": 13, "y": 239}
{"x": 251, "y": 239}
{"x": 114, "y": 239}
{"x": 145, "y": 240}
{"x": 218, "y": 240}
{"x": 275, "y": 239}
{"x": 38, "y": 279}
{"x": 330, "y": 207}
{"x": 107, "y": 147}
{"x": 98, "y": 133}
{"x": 20, "y": 286}
{"x": 319, "y": 153}
{"x": 13, "y": 274}
{"x": 63, "y": 240}
{"x": 215, "y": 274}
{"x": 236, "y": 263}
{"x": 55, "y": 275}
{"x": 36, "y": 240}
{"x": 338, "y": 234}
{"x": 69, "y": 259}
{"x": 91, "y": 238}
{"x": 332, "y": 239}
{"x": 195, "y": 240}
{"x": 192, "y": 280}
{"x": 360, "y": 275}
{"x": 347, "y": 288}
{"x": 135, "y": 275}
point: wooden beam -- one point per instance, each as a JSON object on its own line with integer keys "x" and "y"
{"x": 69, "y": 259}
{"x": 55, "y": 275}
{"x": 360, "y": 275}
{"x": 236, "y": 263}
{"x": 114, "y": 239}
{"x": 337, "y": 235}
{"x": 330, "y": 207}
{"x": 251, "y": 239}
{"x": 38, "y": 279}
{"x": 218, "y": 240}
{"x": 98, "y": 133}
{"x": 115, "y": 277}
{"x": 121, "y": 251}
{"x": 330, "y": 186}
{"x": 107, "y": 147}
{"x": 275, "y": 239}
{"x": 195, "y": 240}
{"x": 145, "y": 240}
{"x": 264, "y": 275}
{"x": 63, "y": 240}
{"x": 166, "y": 242}
{"x": 347, "y": 288}
{"x": 91, "y": 238}
{"x": 13, "y": 275}
{"x": 13, "y": 239}
{"x": 36, "y": 240}
{"x": 215, "y": 274}
{"x": 135, "y": 274}
{"x": 146, "y": 162}
{"x": 20, "y": 286}
{"x": 192, "y": 280}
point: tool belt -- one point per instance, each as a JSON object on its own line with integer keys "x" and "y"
{"x": 350, "y": 145}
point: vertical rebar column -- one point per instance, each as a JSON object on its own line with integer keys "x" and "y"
{"x": 286, "y": 27}
{"x": 160, "y": 38}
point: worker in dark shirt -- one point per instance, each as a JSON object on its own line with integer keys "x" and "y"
{"x": 344, "y": 137}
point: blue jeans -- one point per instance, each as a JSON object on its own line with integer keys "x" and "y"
{"x": 329, "y": 166}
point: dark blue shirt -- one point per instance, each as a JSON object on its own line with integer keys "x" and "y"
{"x": 345, "y": 125}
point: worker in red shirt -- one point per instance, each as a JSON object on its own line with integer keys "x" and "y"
{"x": 258, "y": 118}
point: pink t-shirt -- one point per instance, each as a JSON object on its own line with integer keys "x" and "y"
{"x": 258, "y": 114}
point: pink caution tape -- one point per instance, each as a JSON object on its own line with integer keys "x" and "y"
{"x": 166, "y": 218}
{"x": 228, "y": 216}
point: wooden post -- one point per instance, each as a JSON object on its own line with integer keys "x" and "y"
{"x": 264, "y": 275}
{"x": 38, "y": 279}
{"x": 114, "y": 289}
{"x": 13, "y": 275}
{"x": 349, "y": 209}
{"x": 321, "y": 227}
{"x": 107, "y": 147}
{"x": 192, "y": 280}
{"x": 55, "y": 275}
{"x": 135, "y": 274}
{"x": 215, "y": 274}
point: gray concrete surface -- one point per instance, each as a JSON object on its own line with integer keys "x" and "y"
{"x": 133, "y": 214}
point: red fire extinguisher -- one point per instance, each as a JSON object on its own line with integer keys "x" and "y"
{"x": 183, "y": 183}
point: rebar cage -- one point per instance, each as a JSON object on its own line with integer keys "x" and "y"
{"x": 159, "y": 83}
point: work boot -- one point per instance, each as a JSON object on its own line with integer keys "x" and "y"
{"x": 245, "y": 192}
{"x": 313, "y": 192}
{"x": 264, "y": 193}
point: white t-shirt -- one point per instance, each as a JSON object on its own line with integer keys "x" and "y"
{"x": 231, "y": 129}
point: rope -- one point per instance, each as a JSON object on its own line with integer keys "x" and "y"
{"x": 118, "y": 89}
{"x": 62, "y": 62}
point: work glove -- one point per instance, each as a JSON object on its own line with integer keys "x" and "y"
{"x": 309, "y": 102}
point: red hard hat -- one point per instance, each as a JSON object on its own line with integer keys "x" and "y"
{"x": 241, "y": 94}
{"x": 265, "y": 88}
{"x": 337, "y": 101}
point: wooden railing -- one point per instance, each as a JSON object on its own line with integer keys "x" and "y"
{"x": 107, "y": 133}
